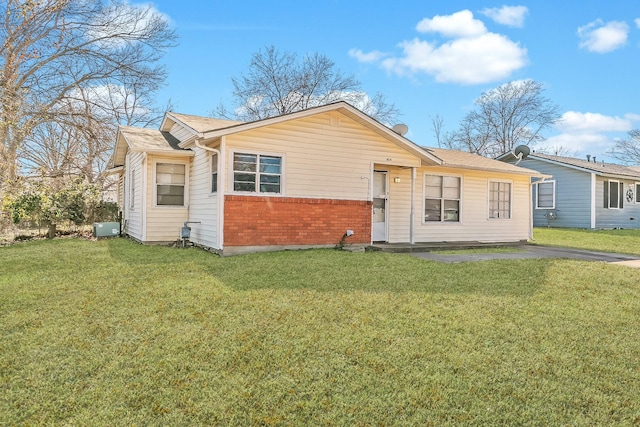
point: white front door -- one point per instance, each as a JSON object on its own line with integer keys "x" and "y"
{"x": 379, "y": 221}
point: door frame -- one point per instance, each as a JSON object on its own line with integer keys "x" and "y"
{"x": 386, "y": 205}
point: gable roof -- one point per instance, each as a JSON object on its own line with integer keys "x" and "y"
{"x": 465, "y": 160}
{"x": 196, "y": 127}
{"x": 198, "y": 124}
{"x": 219, "y": 128}
{"x": 144, "y": 140}
{"x": 599, "y": 168}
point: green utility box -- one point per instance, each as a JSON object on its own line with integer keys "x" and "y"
{"x": 106, "y": 229}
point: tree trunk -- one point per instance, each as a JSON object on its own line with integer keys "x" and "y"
{"x": 52, "y": 231}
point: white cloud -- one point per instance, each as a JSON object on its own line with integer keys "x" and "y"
{"x": 477, "y": 60}
{"x": 513, "y": 16}
{"x": 460, "y": 24}
{"x": 584, "y": 123}
{"x": 592, "y": 144}
{"x": 470, "y": 55}
{"x": 373, "y": 56}
{"x": 599, "y": 37}
{"x": 637, "y": 21}
{"x": 591, "y": 133}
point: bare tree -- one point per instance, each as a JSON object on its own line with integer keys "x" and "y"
{"x": 53, "y": 50}
{"x": 277, "y": 83}
{"x": 443, "y": 139}
{"x": 512, "y": 114}
{"x": 627, "y": 150}
{"x": 557, "y": 150}
{"x": 79, "y": 140}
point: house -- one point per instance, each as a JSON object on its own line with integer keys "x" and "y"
{"x": 310, "y": 179}
{"x": 583, "y": 193}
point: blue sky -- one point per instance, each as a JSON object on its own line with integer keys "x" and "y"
{"x": 428, "y": 57}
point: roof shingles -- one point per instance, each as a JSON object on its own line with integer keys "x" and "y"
{"x": 599, "y": 167}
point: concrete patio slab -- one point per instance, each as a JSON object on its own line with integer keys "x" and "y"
{"x": 529, "y": 251}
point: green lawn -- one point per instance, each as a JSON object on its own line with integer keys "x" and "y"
{"x": 114, "y": 333}
{"x": 620, "y": 241}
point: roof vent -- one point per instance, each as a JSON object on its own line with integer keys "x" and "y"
{"x": 588, "y": 157}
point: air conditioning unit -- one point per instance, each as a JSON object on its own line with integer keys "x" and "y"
{"x": 106, "y": 229}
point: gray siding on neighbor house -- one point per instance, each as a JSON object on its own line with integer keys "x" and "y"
{"x": 626, "y": 217}
{"x": 573, "y": 196}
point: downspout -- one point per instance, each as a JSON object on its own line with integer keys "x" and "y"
{"x": 593, "y": 201}
{"x": 221, "y": 184}
{"x": 143, "y": 172}
{"x": 412, "y": 238}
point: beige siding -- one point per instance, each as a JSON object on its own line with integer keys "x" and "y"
{"x": 120, "y": 199}
{"x": 133, "y": 215}
{"x": 324, "y": 156}
{"x": 475, "y": 224}
{"x": 203, "y": 205}
{"x": 180, "y": 132}
{"x": 163, "y": 222}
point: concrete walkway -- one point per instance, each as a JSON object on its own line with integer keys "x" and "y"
{"x": 526, "y": 251}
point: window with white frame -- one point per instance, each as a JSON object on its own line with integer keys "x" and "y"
{"x": 546, "y": 195}
{"x": 170, "y": 184}
{"x": 613, "y": 194}
{"x": 441, "y": 198}
{"x": 637, "y": 192}
{"x": 257, "y": 173}
{"x": 499, "y": 199}
{"x": 214, "y": 173}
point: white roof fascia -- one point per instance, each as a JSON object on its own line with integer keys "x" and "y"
{"x": 179, "y": 153}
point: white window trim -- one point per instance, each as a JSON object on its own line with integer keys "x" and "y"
{"x": 636, "y": 192}
{"x": 155, "y": 185}
{"x": 620, "y": 196}
{"x": 553, "y": 204}
{"x": 489, "y": 182}
{"x": 230, "y": 173}
{"x": 424, "y": 200}
{"x": 211, "y": 159}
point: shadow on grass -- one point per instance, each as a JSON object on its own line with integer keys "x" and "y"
{"x": 330, "y": 271}
{"x": 130, "y": 252}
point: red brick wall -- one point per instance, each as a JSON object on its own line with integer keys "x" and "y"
{"x": 263, "y": 221}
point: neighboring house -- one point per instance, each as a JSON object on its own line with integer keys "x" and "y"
{"x": 310, "y": 179}
{"x": 583, "y": 193}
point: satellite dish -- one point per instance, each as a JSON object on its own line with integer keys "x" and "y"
{"x": 401, "y": 129}
{"x": 521, "y": 152}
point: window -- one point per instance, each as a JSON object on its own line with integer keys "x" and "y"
{"x": 499, "y": 199}
{"x": 637, "y": 195}
{"x": 214, "y": 173}
{"x": 256, "y": 173}
{"x": 170, "y": 182}
{"x": 613, "y": 194}
{"x": 546, "y": 195}
{"x": 441, "y": 198}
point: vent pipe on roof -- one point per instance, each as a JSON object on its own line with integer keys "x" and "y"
{"x": 588, "y": 157}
